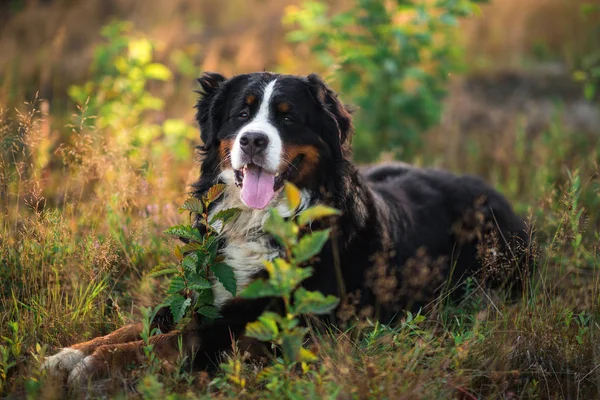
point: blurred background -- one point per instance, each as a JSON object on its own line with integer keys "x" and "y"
{"x": 97, "y": 129}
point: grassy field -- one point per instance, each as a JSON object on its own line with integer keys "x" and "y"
{"x": 85, "y": 198}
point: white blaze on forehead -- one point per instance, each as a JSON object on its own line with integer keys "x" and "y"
{"x": 260, "y": 123}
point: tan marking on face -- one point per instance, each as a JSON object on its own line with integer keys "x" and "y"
{"x": 309, "y": 162}
{"x": 225, "y": 152}
{"x": 283, "y": 107}
{"x": 250, "y": 99}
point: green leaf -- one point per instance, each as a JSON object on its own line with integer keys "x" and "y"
{"x": 316, "y": 212}
{"x": 208, "y": 311}
{"x": 306, "y": 355}
{"x": 198, "y": 283}
{"x": 140, "y": 50}
{"x": 205, "y": 297}
{"x": 283, "y": 276}
{"x": 292, "y": 343}
{"x": 257, "y": 289}
{"x": 157, "y": 71}
{"x": 293, "y": 196}
{"x": 175, "y": 128}
{"x": 176, "y": 286}
{"x": 214, "y": 192}
{"x": 184, "y": 231}
{"x": 179, "y": 305}
{"x": 191, "y": 262}
{"x": 307, "y": 302}
{"x": 192, "y": 205}
{"x": 589, "y": 90}
{"x": 283, "y": 232}
{"x": 211, "y": 246}
{"x": 225, "y": 275}
{"x": 310, "y": 245}
{"x": 226, "y": 215}
{"x": 264, "y": 329}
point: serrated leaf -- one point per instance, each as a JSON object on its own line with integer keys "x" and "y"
{"x": 176, "y": 286}
{"x": 283, "y": 232}
{"x": 264, "y": 329}
{"x": 307, "y": 302}
{"x": 293, "y": 196}
{"x": 198, "y": 283}
{"x": 161, "y": 270}
{"x": 226, "y": 215}
{"x": 310, "y": 245}
{"x": 316, "y": 212}
{"x": 192, "y": 205}
{"x": 208, "y": 311}
{"x": 214, "y": 192}
{"x": 211, "y": 247}
{"x": 257, "y": 289}
{"x": 191, "y": 261}
{"x": 178, "y": 306}
{"x": 184, "y": 231}
{"x": 224, "y": 273}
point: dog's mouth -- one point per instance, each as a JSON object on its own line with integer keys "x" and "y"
{"x": 259, "y": 185}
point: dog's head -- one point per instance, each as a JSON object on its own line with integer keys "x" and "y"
{"x": 262, "y": 129}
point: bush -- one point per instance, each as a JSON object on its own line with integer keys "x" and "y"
{"x": 392, "y": 59}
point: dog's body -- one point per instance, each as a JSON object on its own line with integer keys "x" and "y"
{"x": 403, "y": 233}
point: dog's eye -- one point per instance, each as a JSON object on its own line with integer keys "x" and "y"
{"x": 243, "y": 115}
{"x": 287, "y": 119}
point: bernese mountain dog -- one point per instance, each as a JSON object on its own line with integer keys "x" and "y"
{"x": 405, "y": 234}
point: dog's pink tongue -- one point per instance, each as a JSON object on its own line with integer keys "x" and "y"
{"x": 257, "y": 187}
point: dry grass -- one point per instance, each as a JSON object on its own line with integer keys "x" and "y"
{"x": 81, "y": 219}
{"x": 79, "y": 234}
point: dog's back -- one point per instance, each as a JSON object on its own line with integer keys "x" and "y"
{"x": 449, "y": 225}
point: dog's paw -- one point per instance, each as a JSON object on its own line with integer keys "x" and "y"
{"x": 63, "y": 361}
{"x": 81, "y": 373}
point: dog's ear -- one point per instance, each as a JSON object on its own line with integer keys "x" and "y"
{"x": 330, "y": 102}
{"x": 209, "y": 107}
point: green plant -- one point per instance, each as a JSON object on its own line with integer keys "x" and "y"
{"x": 118, "y": 96}
{"x": 392, "y": 59}
{"x": 11, "y": 353}
{"x": 198, "y": 259}
{"x": 285, "y": 276}
{"x": 588, "y": 72}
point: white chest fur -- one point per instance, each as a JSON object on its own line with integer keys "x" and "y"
{"x": 246, "y": 245}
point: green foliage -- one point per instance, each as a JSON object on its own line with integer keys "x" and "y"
{"x": 118, "y": 97}
{"x": 11, "y": 353}
{"x": 285, "y": 275}
{"x": 392, "y": 59}
{"x": 589, "y": 69}
{"x": 199, "y": 262}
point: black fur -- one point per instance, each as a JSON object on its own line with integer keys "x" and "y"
{"x": 397, "y": 221}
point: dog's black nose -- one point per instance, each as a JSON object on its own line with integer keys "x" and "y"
{"x": 254, "y": 142}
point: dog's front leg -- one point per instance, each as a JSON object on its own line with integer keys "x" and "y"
{"x": 65, "y": 360}
{"x": 113, "y": 359}
{"x": 202, "y": 342}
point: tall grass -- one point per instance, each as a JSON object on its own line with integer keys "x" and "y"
{"x": 81, "y": 222}
{"x": 80, "y": 232}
